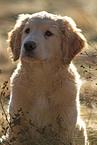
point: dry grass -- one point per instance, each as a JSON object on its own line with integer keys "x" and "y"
{"x": 83, "y": 13}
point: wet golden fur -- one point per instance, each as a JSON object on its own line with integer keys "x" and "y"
{"x": 46, "y": 84}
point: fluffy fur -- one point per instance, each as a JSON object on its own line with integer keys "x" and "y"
{"x": 45, "y": 85}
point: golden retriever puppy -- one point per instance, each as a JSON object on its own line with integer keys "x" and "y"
{"x": 44, "y": 103}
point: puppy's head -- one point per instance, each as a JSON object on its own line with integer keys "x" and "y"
{"x": 43, "y": 36}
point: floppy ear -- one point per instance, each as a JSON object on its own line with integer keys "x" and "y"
{"x": 14, "y": 37}
{"x": 73, "y": 40}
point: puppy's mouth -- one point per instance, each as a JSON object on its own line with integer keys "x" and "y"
{"x": 30, "y": 55}
{"x": 33, "y": 56}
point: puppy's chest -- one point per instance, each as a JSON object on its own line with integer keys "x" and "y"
{"x": 42, "y": 87}
{"x": 40, "y": 83}
{"x": 42, "y": 95}
{"x": 37, "y": 89}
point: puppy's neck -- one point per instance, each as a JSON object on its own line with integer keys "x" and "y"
{"x": 47, "y": 66}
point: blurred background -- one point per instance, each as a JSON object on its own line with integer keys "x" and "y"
{"x": 84, "y": 14}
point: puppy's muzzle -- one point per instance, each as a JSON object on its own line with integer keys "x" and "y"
{"x": 30, "y": 46}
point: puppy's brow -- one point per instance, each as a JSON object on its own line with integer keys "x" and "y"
{"x": 55, "y": 26}
{"x": 27, "y": 23}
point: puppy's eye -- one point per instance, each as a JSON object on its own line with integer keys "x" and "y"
{"x": 48, "y": 33}
{"x": 27, "y": 31}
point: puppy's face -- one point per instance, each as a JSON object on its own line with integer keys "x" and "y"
{"x": 43, "y": 36}
{"x": 41, "y": 39}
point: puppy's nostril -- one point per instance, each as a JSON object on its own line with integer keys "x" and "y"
{"x": 30, "y": 45}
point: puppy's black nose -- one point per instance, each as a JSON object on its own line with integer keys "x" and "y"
{"x": 30, "y": 45}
